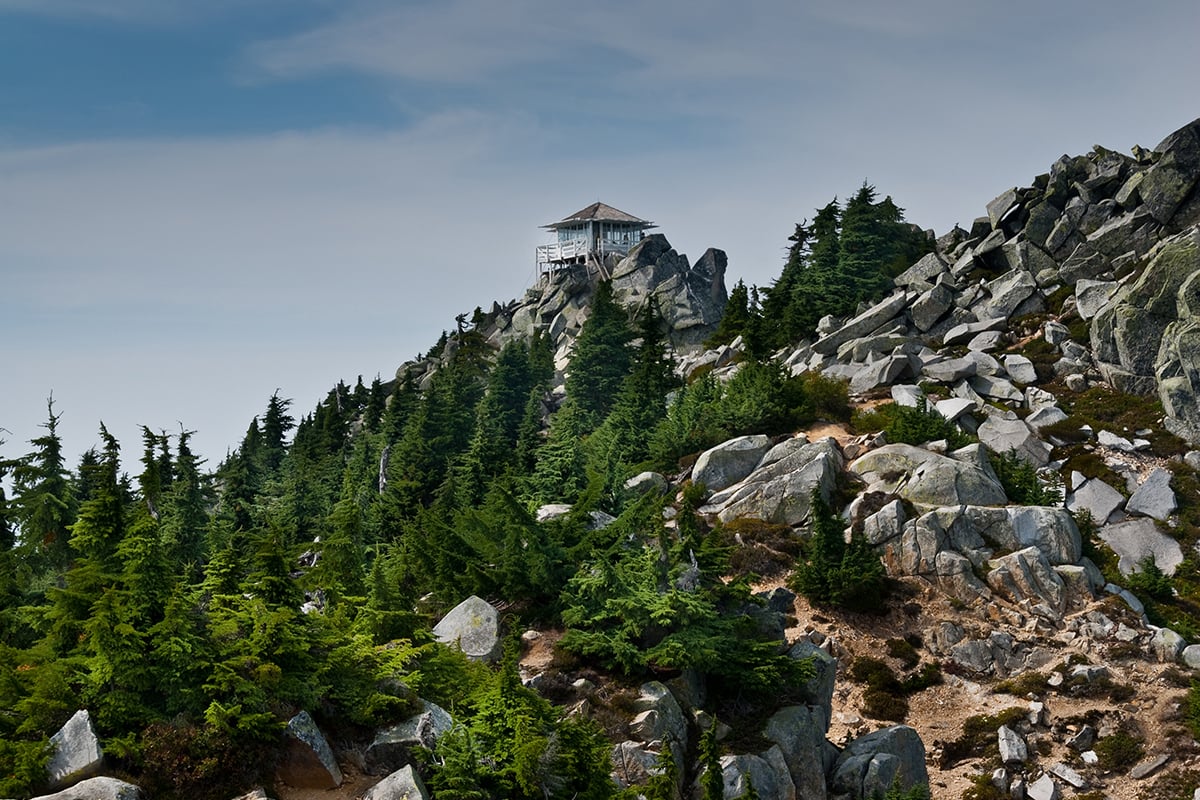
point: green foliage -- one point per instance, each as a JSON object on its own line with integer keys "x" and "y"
{"x": 846, "y": 256}
{"x": 735, "y": 319}
{"x": 834, "y": 573}
{"x": 660, "y": 605}
{"x": 600, "y": 358}
{"x": 712, "y": 780}
{"x": 911, "y": 425}
{"x": 1150, "y": 581}
{"x": 664, "y": 783}
{"x": 1021, "y": 482}
{"x": 23, "y": 766}
{"x": 978, "y": 735}
{"x": 918, "y": 791}
{"x": 1119, "y": 750}
{"x": 1191, "y": 710}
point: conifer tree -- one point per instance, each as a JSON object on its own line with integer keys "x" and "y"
{"x": 600, "y": 358}
{"x": 43, "y": 505}
{"x": 712, "y": 779}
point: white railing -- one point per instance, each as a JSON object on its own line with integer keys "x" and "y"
{"x": 578, "y": 248}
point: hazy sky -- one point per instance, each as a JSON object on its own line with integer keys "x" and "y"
{"x": 203, "y": 202}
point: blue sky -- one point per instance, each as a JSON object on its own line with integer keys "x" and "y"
{"x": 202, "y": 203}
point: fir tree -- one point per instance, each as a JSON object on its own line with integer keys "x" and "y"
{"x": 43, "y": 505}
{"x": 600, "y": 358}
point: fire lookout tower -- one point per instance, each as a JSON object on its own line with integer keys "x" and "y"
{"x": 590, "y": 237}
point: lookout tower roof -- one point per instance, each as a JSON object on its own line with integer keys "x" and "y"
{"x": 599, "y": 212}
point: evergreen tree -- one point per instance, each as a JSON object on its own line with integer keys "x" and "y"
{"x": 712, "y": 779}
{"x": 600, "y": 358}
{"x": 276, "y": 424}
{"x": 185, "y": 512}
{"x": 43, "y": 505}
{"x": 375, "y": 407}
{"x": 736, "y": 317}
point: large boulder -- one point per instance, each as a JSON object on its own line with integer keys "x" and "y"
{"x": 1129, "y": 334}
{"x": 768, "y": 772}
{"x": 1154, "y": 497}
{"x": 929, "y": 479}
{"x": 394, "y": 746}
{"x": 799, "y": 733}
{"x": 76, "y": 752}
{"x": 1004, "y": 435}
{"x": 871, "y": 764}
{"x": 659, "y": 717}
{"x": 867, "y": 322}
{"x": 474, "y": 627}
{"x": 819, "y": 689}
{"x": 307, "y": 761}
{"x": 1097, "y": 498}
{"x": 729, "y": 462}
{"x": 1169, "y": 182}
{"x": 1137, "y": 539}
{"x": 780, "y": 489}
{"x": 403, "y": 784}
{"x": 1026, "y": 575}
{"x": 1178, "y": 356}
{"x": 101, "y": 788}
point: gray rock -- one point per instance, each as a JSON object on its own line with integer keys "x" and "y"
{"x": 906, "y": 394}
{"x": 1044, "y": 788}
{"x": 953, "y": 408}
{"x": 929, "y": 479}
{"x": 633, "y": 763}
{"x": 799, "y": 732}
{"x": 1000, "y": 206}
{"x": 780, "y": 489}
{"x": 995, "y": 388}
{"x": 819, "y": 690}
{"x": 1148, "y": 767}
{"x": 931, "y": 306}
{"x": 1007, "y": 293}
{"x": 1026, "y": 575}
{"x": 101, "y": 788}
{"x": 1137, "y": 539}
{"x": 983, "y": 342}
{"x": 882, "y": 372}
{"x": 403, "y": 784}
{"x": 950, "y": 370}
{"x": 1045, "y": 416}
{"x": 1020, "y": 369}
{"x": 925, "y": 271}
{"x": 1114, "y": 442}
{"x": 1082, "y": 740}
{"x": 1067, "y": 775}
{"x": 474, "y": 627}
{"x": 729, "y": 462}
{"x": 307, "y": 761}
{"x": 646, "y": 483}
{"x": 1167, "y": 645}
{"x": 1003, "y": 435}
{"x": 1170, "y": 180}
{"x": 1154, "y": 497}
{"x": 885, "y": 524}
{"x": 76, "y": 752}
{"x": 768, "y": 772}
{"x": 1097, "y": 498}
{"x": 871, "y": 764}
{"x": 867, "y": 322}
{"x": 1013, "y": 749}
{"x": 661, "y": 716}
{"x": 963, "y": 333}
{"x": 1091, "y": 296}
{"x": 394, "y": 745}
{"x": 1191, "y": 656}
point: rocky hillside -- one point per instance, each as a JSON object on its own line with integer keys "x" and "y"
{"x": 1013, "y": 610}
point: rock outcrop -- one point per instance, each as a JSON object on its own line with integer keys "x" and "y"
{"x": 472, "y": 626}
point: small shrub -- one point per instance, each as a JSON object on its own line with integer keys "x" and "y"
{"x": 1176, "y": 785}
{"x": 1119, "y": 751}
{"x": 826, "y": 397}
{"x": 1191, "y": 709}
{"x": 1021, "y": 482}
{"x": 920, "y": 424}
{"x": 904, "y": 651}
{"x": 982, "y": 788}
{"x": 881, "y": 704}
{"x": 1150, "y": 582}
{"x": 978, "y": 735}
{"x": 1026, "y": 683}
{"x": 926, "y": 676}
